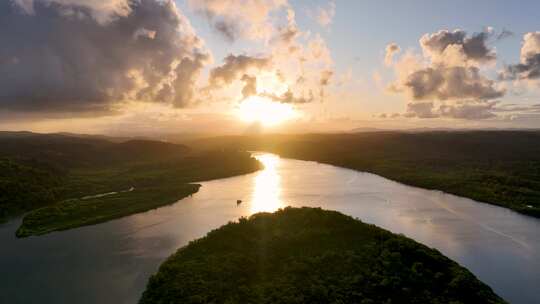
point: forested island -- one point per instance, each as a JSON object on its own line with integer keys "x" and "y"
{"x": 70, "y": 181}
{"x": 309, "y": 255}
{"x": 496, "y": 167}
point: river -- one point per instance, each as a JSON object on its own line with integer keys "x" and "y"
{"x": 111, "y": 262}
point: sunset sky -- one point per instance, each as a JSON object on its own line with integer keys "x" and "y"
{"x": 223, "y": 66}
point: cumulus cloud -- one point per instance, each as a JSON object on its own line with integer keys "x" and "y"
{"x": 455, "y": 82}
{"x": 180, "y": 92}
{"x": 75, "y": 55}
{"x": 324, "y": 16}
{"x": 443, "y": 45}
{"x": 102, "y": 10}
{"x": 447, "y": 80}
{"x": 391, "y": 50}
{"x": 295, "y": 63}
{"x": 234, "y": 67}
{"x": 529, "y": 66}
{"x": 233, "y": 19}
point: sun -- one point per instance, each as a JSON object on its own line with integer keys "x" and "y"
{"x": 265, "y": 111}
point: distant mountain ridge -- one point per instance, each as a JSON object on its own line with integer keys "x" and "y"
{"x": 83, "y": 150}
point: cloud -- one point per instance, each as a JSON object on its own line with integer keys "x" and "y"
{"x": 296, "y": 65}
{"x": 444, "y": 44}
{"x": 289, "y": 33}
{"x": 250, "y": 86}
{"x": 289, "y": 97}
{"x": 181, "y": 91}
{"x": 529, "y": 66}
{"x": 325, "y": 16}
{"x": 234, "y": 67}
{"x": 455, "y": 82}
{"x": 504, "y": 34}
{"x": 391, "y": 50}
{"x": 420, "y": 110}
{"x": 103, "y": 11}
{"x": 468, "y": 110}
{"x": 446, "y": 81}
{"x": 87, "y": 56}
{"x": 233, "y": 19}
{"x": 319, "y": 50}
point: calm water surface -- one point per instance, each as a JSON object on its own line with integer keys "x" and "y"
{"x": 111, "y": 262}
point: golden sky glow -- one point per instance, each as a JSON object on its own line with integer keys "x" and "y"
{"x": 264, "y": 111}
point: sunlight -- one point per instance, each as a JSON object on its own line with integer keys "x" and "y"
{"x": 265, "y": 111}
{"x": 267, "y": 188}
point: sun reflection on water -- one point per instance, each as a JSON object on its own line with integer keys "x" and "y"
{"x": 267, "y": 186}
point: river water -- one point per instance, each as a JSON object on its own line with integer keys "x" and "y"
{"x": 111, "y": 262}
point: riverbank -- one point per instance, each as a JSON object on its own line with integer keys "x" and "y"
{"x": 308, "y": 255}
{"x": 154, "y": 184}
{"x": 74, "y": 213}
{"x": 496, "y": 167}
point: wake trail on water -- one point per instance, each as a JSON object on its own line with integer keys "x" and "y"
{"x": 469, "y": 219}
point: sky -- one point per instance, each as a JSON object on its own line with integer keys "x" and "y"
{"x": 135, "y": 67}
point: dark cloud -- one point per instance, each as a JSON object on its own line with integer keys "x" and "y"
{"x": 447, "y": 81}
{"x": 227, "y": 29}
{"x": 62, "y": 56}
{"x": 529, "y": 67}
{"x": 235, "y": 67}
{"x": 474, "y": 47}
{"x": 181, "y": 91}
{"x": 505, "y": 34}
{"x": 443, "y": 83}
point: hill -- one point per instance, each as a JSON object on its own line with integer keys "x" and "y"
{"x": 69, "y": 150}
{"x": 61, "y": 178}
{"x": 310, "y": 255}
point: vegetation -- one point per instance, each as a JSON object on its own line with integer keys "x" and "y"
{"x": 310, "y": 255}
{"x": 57, "y": 191}
{"x": 497, "y": 167}
{"x": 73, "y": 213}
{"x": 24, "y": 187}
{"x": 153, "y": 184}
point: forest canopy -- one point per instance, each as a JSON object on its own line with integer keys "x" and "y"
{"x": 307, "y": 255}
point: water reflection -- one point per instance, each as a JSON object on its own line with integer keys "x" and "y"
{"x": 266, "y": 195}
